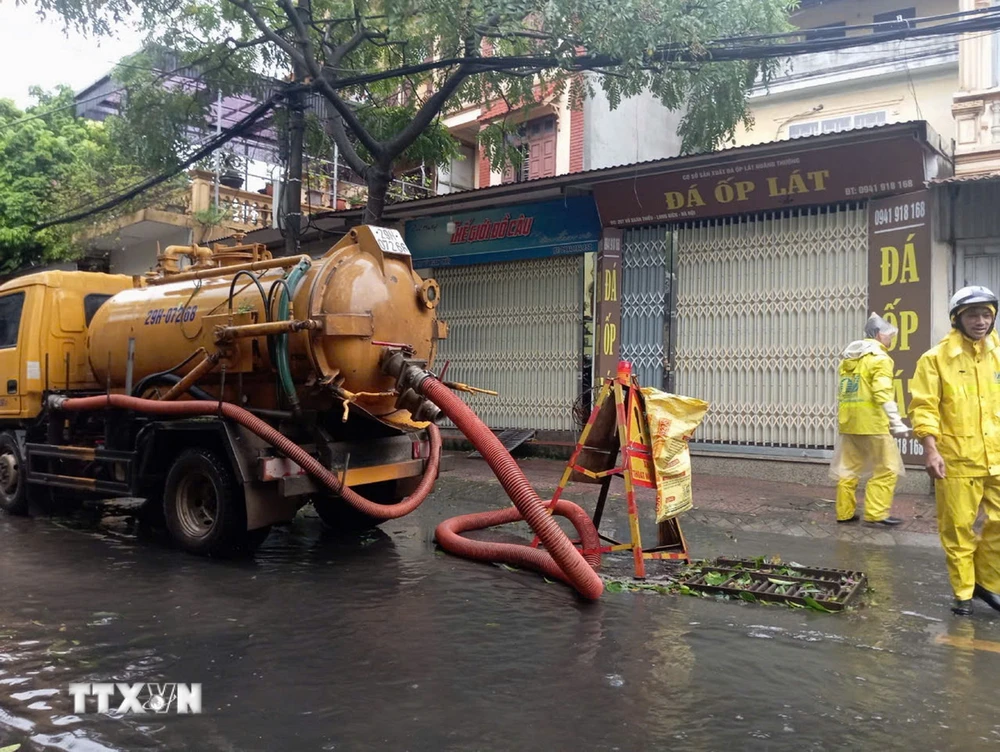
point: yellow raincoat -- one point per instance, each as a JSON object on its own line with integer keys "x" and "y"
{"x": 955, "y": 397}
{"x": 864, "y": 446}
{"x": 865, "y": 385}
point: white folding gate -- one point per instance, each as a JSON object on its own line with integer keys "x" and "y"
{"x": 515, "y": 328}
{"x": 765, "y": 305}
{"x": 645, "y": 296}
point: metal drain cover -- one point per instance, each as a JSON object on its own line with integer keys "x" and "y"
{"x": 748, "y": 579}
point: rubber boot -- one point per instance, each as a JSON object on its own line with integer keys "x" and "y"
{"x": 962, "y": 608}
{"x": 990, "y": 599}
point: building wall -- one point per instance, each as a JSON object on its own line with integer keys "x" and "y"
{"x": 856, "y": 12}
{"x": 976, "y": 105}
{"x": 139, "y": 258}
{"x": 638, "y": 130}
{"x": 928, "y": 99}
{"x": 563, "y": 134}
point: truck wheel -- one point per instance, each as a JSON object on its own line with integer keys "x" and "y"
{"x": 204, "y": 507}
{"x": 13, "y": 488}
{"x": 340, "y": 516}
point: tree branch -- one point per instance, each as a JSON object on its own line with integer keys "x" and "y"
{"x": 350, "y": 117}
{"x": 347, "y": 150}
{"x": 287, "y": 47}
{"x": 322, "y": 85}
{"x": 308, "y": 57}
{"x": 427, "y": 112}
{"x": 337, "y": 54}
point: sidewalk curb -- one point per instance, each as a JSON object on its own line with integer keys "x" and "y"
{"x": 732, "y": 505}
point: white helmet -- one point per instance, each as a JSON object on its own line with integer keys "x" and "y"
{"x": 971, "y": 296}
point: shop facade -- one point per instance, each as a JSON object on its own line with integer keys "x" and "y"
{"x": 515, "y": 278}
{"x": 774, "y": 264}
{"x": 737, "y": 277}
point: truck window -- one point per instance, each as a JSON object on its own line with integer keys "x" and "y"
{"x": 91, "y": 303}
{"x": 10, "y": 318}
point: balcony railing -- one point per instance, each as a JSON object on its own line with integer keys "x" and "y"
{"x": 243, "y": 211}
{"x": 861, "y": 62}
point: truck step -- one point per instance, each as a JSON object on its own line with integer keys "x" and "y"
{"x": 78, "y": 453}
{"x": 83, "y": 484}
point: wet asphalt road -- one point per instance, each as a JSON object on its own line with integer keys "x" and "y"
{"x": 381, "y": 642}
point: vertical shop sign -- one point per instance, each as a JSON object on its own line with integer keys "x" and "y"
{"x": 899, "y": 288}
{"x": 609, "y": 305}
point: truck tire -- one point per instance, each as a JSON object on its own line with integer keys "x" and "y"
{"x": 204, "y": 508}
{"x": 13, "y": 487}
{"x": 341, "y": 517}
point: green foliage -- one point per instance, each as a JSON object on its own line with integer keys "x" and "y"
{"x": 535, "y": 54}
{"x": 212, "y": 216}
{"x": 46, "y": 165}
{"x": 52, "y": 162}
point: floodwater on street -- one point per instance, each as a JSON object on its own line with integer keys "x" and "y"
{"x": 382, "y": 642}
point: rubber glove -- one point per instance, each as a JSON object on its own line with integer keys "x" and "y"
{"x": 896, "y": 425}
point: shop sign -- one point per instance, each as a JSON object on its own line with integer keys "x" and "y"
{"x": 568, "y": 226}
{"x": 802, "y": 176}
{"x": 899, "y": 288}
{"x": 608, "y": 324}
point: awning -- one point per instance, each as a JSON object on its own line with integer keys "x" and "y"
{"x": 982, "y": 177}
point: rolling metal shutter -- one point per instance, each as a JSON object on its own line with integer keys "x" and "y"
{"x": 515, "y": 328}
{"x": 765, "y": 304}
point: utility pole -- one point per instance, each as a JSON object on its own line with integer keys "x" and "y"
{"x": 292, "y": 193}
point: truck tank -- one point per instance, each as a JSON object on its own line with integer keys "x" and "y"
{"x": 212, "y": 323}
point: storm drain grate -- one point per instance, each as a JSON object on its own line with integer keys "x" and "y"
{"x": 832, "y": 589}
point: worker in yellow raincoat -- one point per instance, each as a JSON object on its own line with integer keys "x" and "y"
{"x": 867, "y": 415}
{"x": 955, "y": 411}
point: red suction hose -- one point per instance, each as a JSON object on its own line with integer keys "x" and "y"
{"x": 561, "y": 558}
{"x": 280, "y": 442}
{"x": 449, "y": 536}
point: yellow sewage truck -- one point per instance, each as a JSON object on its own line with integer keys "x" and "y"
{"x": 193, "y": 386}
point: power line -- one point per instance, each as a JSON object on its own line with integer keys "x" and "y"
{"x": 861, "y": 27}
{"x": 721, "y": 50}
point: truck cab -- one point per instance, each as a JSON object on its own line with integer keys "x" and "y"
{"x": 43, "y": 337}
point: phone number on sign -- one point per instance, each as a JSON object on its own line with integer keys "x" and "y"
{"x": 867, "y": 190}
{"x": 912, "y": 447}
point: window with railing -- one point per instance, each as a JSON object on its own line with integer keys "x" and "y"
{"x": 837, "y": 124}
{"x": 536, "y": 142}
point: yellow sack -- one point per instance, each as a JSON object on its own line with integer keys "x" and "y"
{"x": 672, "y": 420}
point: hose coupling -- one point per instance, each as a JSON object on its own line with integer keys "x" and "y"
{"x": 56, "y": 401}
{"x": 420, "y": 408}
{"x": 409, "y": 373}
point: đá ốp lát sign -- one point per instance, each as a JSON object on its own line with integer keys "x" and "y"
{"x": 899, "y": 289}
{"x": 802, "y": 175}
